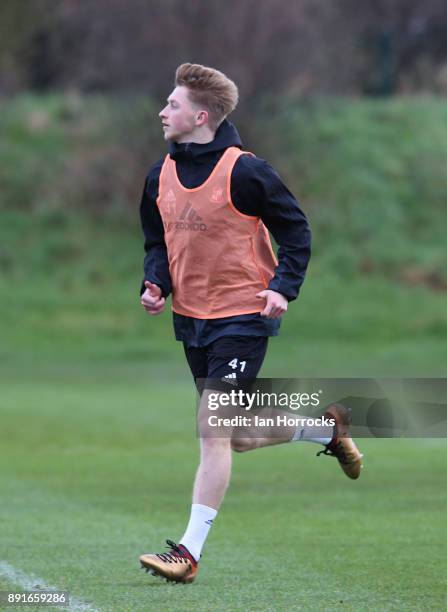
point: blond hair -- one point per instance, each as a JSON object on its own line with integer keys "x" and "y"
{"x": 210, "y": 88}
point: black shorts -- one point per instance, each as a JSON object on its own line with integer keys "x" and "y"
{"x": 230, "y": 361}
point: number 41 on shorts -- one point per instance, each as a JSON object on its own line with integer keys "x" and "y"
{"x": 234, "y": 363}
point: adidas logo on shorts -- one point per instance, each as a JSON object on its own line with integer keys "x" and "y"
{"x": 230, "y": 378}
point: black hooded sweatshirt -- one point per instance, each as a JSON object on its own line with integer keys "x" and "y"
{"x": 256, "y": 190}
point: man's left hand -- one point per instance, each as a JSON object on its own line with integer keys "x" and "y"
{"x": 276, "y": 304}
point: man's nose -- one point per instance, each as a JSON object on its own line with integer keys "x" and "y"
{"x": 162, "y": 113}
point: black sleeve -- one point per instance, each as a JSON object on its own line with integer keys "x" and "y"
{"x": 156, "y": 265}
{"x": 257, "y": 190}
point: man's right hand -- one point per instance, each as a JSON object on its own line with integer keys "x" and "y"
{"x": 151, "y": 299}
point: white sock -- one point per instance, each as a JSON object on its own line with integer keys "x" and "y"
{"x": 311, "y": 433}
{"x": 200, "y": 522}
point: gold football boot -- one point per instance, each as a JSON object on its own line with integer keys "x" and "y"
{"x": 176, "y": 565}
{"x": 342, "y": 446}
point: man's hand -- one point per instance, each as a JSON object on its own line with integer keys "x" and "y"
{"x": 151, "y": 299}
{"x": 276, "y": 304}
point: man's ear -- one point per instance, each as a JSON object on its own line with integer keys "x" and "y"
{"x": 202, "y": 117}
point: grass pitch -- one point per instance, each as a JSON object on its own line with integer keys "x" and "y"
{"x": 97, "y": 466}
{"x": 97, "y": 435}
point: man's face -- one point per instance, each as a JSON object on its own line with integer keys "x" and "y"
{"x": 179, "y": 117}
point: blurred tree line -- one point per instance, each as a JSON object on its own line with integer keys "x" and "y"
{"x": 300, "y": 47}
{"x": 369, "y": 170}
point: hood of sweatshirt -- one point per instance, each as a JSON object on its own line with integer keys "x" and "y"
{"x": 226, "y": 136}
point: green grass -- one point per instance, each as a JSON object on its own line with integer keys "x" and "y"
{"x": 89, "y": 312}
{"x": 370, "y": 174}
{"x": 96, "y": 467}
{"x": 97, "y": 436}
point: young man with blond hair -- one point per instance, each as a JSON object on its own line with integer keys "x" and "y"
{"x": 206, "y": 212}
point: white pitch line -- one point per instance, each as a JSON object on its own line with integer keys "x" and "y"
{"x": 30, "y": 582}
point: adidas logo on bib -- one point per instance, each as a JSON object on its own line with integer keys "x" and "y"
{"x": 190, "y": 220}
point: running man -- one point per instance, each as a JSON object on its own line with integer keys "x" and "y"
{"x": 206, "y": 212}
